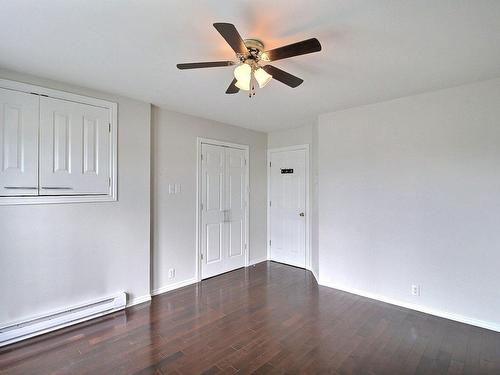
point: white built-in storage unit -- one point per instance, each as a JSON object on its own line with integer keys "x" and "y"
{"x": 55, "y": 147}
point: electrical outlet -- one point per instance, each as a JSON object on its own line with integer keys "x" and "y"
{"x": 415, "y": 290}
{"x": 171, "y": 273}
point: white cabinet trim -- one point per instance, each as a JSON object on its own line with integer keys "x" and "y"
{"x": 113, "y": 120}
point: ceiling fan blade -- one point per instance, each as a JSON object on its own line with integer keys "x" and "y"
{"x": 232, "y": 37}
{"x": 232, "y": 89}
{"x": 294, "y": 49}
{"x": 208, "y": 64}
{"x": 282, "y": 76}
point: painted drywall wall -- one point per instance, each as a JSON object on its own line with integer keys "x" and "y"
{"x": 409, "y": 193}
{"x": 300, "y": 136}
{"x": 57, "y": 255}
{"x": 290, "y": 137}
{"x": 174, "y": 138}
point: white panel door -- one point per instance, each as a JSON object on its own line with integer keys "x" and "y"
{"x": 288, "y": 207}
{"x": 74, "y": 148}
{"x": 18, "y": 143}
{"x": 212, "y": 214}
{"x": 235, "y": 207}
{"x": 223, "y": 213}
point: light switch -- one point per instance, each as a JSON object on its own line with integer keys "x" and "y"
{"x": 177, "y": 188}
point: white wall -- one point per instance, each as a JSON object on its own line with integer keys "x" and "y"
{"x": 409, "y": 193}
{"x": 290, "y": 137}
{"x": 174, "y": 138}
{"x": 56, "y": 255}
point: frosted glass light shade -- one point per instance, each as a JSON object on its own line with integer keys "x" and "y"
{"x": 262, "y": 77}
{"x": 243, "y": 74}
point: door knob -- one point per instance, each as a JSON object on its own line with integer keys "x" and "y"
{"x": 302, "y": 214}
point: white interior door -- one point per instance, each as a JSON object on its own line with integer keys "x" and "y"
{"x": 212, "y": 212}
{"x": 74, "y": 148}
{"x": 235, "y": 223}
{"x": 18, "y": 143}
{"x": 288, "y": 207}
{"x": 223, "y": 212}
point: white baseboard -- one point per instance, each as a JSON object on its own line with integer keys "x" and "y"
{"x": 140, "y": 299}
{"x": 442, "y": 314}
{"x": 255, "y": 261}
{"x": 315, "y": 275}
{"x": 169, "y": 287}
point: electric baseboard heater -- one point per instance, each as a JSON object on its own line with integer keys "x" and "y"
{"x": 34, "y": 326}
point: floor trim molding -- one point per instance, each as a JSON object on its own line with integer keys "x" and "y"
{"x": 256, "y": 261}
{"x": 315, "y": 276}
{"x": 138, "y": 300}
{"x": 169, "y": 287}
{"x": 424, "y": 309}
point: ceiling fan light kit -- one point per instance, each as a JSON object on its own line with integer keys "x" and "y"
{"x": 249, "y": 55}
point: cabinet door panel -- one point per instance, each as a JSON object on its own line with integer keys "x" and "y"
{"x": 74, "y": 148}
{"x": 18, "y": 143}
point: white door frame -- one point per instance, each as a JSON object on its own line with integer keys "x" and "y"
{"x": 308, "y": 216}
{"x": 246, "y": 148}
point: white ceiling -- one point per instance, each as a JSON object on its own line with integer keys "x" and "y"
{"x": 372, "y": 51}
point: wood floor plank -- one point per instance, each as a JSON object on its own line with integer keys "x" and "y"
{"x": 266, "y": 319}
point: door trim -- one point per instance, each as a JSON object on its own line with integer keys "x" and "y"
{"x": 246, "y": 148}
{"x": 270, "y": 151}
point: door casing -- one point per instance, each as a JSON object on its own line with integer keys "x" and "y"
{"x": 246, "y": 148}
{"x": 308, "y": 203}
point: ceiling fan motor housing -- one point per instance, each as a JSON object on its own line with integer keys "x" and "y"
{"x": 255, "y": 49}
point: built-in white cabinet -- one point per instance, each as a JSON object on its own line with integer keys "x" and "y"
{"x": 55, "y": 146}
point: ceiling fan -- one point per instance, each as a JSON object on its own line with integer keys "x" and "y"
{"x": 250, "y": 53}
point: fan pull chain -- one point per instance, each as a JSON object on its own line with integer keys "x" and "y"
{"x": 252, "y": 91}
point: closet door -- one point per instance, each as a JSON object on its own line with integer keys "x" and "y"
{"x": 213, "y": 239}
{"x": 18, "y": 143}
{"x": 74, "y": 148}
{"x": 223, "y": 213}
{"x": 235, "y": 224}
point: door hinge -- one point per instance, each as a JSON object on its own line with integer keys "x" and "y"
{"x": 245, "y": 246}
{"x": 109, "y": 181}
{"x": 269, "y": 243}
{"x": 201, "y": 205}
{"x": 109, "y": 127}
{"x": 201, "y": 156}
{"x": 269, "y": 203}
{"x": 201, "y": 256}
{"x": 270, "y": 164}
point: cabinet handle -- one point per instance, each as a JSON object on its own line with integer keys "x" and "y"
{"x": 22, "y": 187}
{"x": 56, "y": 188}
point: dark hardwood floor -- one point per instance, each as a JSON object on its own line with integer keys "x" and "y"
{"x": 270, "y": 318}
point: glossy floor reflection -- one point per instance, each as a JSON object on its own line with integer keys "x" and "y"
{"x": 270, "y": 318}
